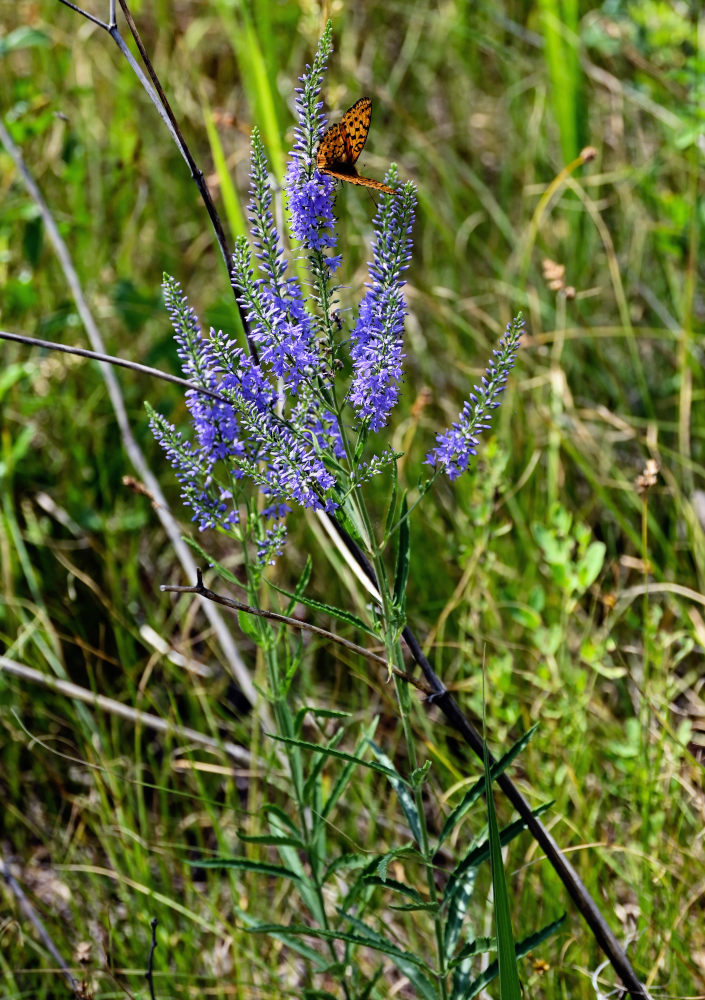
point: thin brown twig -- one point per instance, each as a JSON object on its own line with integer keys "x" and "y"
{"x": 111, "y": 359}
{"x": 233, "y": 605}
{"x": 156, "y": 94}
{"x": 149, "y": 974}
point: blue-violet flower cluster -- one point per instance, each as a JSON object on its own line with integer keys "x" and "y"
{"x": 457, "y": 445}
{"x": 277, "y": 414}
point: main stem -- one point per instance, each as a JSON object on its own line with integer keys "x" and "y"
{"x": 392, "y": 634}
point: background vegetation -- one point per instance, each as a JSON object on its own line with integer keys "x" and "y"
{"x": 482, "y": 105}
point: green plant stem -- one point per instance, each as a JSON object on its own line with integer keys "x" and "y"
{"x": 392, "y": 630}
{"x": 403, "y": 699}
{"x": 283, "y": 720}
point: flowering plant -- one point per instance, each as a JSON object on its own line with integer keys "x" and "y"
{"x": 284, "y": 418}
{"x": 297, "y": 416}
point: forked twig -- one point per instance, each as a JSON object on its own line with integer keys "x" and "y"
{"x": 159, "y": 100}
{"x": 229, "y": 602}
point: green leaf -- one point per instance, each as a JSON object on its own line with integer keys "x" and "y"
{"x": 346, "y": 773}
{"x": 315, "y": 748}
{"x": 458, "y": 905}
{"x": 301, "y": 585}
{"x": 344, "y": 863}
{"x": 509, "y": 986}
{"x": 10, "y": 374}
{"x": 405, "y": 799}
{"x": 277, "y": 815}
{"x": 591, "y": 564}
{"x": 271, "y": 838}
{"x": 418, "y": 776}
{"x": 474, "y": 793}
{"x": 402, "y": 569}
{"x": 405, "y": 890}
{"x": 317, "y": 713}
{"x": 415, "y": 907}
{"x": 317, "y": 960}
{"x": 294, "y": 860}
{"x": 328, "y": 609}
{"x": 312, "y": 783}
{"x": 479, "y": 946}
{"x": 249, "y": 627}
{"x": 383, "y": 865}
{"x": 360, "y": 444}
{"x": 523, "y": 947}
{"x": 20, "y": 445}
{"x": 246, "y": 865}
{"x": 368, "y": 940}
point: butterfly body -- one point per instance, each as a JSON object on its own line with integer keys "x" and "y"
{"x": 342, "y": 144}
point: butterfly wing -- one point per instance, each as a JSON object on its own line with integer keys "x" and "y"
{"x": 342, "y": 144}
{"x": 354, "y": 178}
{"x": 355, "y": 124}
{"x": 331, "y": 148}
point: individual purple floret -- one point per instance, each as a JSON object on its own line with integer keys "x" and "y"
{"x": 377, "y": 338}
{"x": 457, "y": 445}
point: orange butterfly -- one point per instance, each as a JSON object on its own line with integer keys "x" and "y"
{"x": 341, "y": 145}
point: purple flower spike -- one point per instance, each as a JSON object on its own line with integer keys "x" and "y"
{"x": 457, "y": 445}
{"x": 377, "y": 338}
{"x": 279, "y": 322}
{"x": 212, "y": 505}
{"x": 310, "y": 195}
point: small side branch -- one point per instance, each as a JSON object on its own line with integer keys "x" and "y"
{"x": 228, "y": 602}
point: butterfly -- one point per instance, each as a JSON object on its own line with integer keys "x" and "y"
{"x": 341, "y": 145}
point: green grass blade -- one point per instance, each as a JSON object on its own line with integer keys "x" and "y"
{"x": 559, "y": 22}
{"x": 473, "y": 793}
{"x": 509, "y": 986}
{"x": 231, "y": 200}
